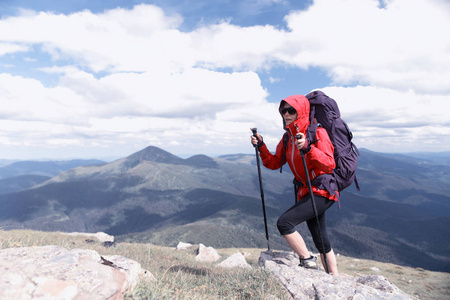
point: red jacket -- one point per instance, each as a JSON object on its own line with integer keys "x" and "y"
{"x": 320, "y": 159}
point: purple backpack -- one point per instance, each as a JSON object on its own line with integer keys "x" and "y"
{"x": 326, "y": 112}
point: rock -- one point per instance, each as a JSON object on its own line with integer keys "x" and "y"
{"x": 131, "y": 268}
{"x": 183, "y": 246}
{"x": 109, "y": 244}
{"x": 246, "y": 254}
{"x": 207, "y": 254}
{"x": 52, "y": 272}
{"x": 235, "y": 260}
{"x": 101, "y": 236}
{"x": 316, "y": 284}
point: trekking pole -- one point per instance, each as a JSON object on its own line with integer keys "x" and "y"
{"x": 313, "y": 201}
{"x": 261, "y": 188}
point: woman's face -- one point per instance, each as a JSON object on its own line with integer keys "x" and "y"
{"x": 289, "y": 113}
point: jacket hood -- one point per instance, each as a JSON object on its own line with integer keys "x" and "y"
{"x": 301, "y": 105}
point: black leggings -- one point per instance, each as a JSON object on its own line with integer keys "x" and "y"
{"x": 303, "y": 211}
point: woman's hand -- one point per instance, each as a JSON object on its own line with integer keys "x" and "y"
{"x": 300, "y": 141}
{"x": 256, "y": 141}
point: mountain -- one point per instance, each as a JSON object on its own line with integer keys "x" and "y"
{"x": 440, "y": 158}
{"x": 4, "y": 162}
{"x": 16, "y": 176}
{"x": 43, "y": 168}
{"x": 19, "y": 183}
{"x": 401, "y": 214}
{"x": 405, "y": 179}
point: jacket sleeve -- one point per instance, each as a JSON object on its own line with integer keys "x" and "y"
{"x": 269, "y": 160}
{"x": 321, "y": 154}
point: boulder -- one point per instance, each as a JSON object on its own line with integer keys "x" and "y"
{"x": 52, "y": 272}
{"x": 207, "y": 254}
{"x": 101, "y": 236}
{"x": 235, "y": 260}
{"x": 305, "y": 284}
{"x": 183, "y": 246}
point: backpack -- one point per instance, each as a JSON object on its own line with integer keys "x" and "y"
{"x": 325, "y": 110}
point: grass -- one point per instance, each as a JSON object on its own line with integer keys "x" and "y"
{"x": 180, "y": 276}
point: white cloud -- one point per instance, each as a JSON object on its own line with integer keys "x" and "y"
{"x": 401, "y": 46}
{"x": 386, "y": 120}
{"x": 133, "y": 109}
{"x": 28, "y": 100}
{"x": 6, "y": 48}
{"x": 132, "y": 77}
{"x": 357, "y": 41}
{"x": 226, "y": 45}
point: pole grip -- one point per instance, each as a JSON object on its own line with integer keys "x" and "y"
{"x": 254, "y": 130}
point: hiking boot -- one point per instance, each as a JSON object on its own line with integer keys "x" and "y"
{"x": 309, "y": 263}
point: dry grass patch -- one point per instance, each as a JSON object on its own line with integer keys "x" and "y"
{"x": 178, "y": 274}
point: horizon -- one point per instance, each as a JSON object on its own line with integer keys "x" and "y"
{"x": 186, "y": 156}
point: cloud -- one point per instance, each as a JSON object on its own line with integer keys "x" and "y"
{"x": 383, "y": 119}
{"x": 399, "y": 46}
{"x": 28, "y": 100}
{"x": 124, "y": 40}
{"x": 132, "y": 77}
{"x": 6, "y": 48}
{"x": 197, "y": 108}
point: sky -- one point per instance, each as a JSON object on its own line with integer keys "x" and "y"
{"x": 105, "y": 79}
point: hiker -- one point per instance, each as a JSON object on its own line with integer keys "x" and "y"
{"x": 320, "y": 160}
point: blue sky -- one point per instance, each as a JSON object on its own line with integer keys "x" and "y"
{"x": 103, "y": 79}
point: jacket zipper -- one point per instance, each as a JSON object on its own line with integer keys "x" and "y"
{"x": 292, "y": 155}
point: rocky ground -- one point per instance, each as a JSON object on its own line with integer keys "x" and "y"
{"x": 416, "y": 282}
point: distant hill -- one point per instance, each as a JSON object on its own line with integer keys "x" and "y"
{"x": 439, "y": 158}
{"x": 19, "y": 183}
{"x": 4, "y": 162}
{"x": 43, "y": 168}
{"x": 20, "y": 175}
{"x": 407, "y": 180}
{"x": 401, "y": 215}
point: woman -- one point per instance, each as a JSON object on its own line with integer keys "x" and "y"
{"x": 320, "y": 160}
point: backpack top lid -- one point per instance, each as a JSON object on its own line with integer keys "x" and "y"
{"x": 323, "y": 108}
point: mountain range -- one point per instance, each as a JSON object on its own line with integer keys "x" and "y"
{"x": 19, "y": 175}
{"x": 401, "y": 215}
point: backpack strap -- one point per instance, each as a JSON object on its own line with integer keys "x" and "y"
{"x": 357, "y": 185}
{"x": 357, "y": 152}
{"x": 312, "y": 127}
{"x": 297, "y": 186}
{"x": 283, "y": 158}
